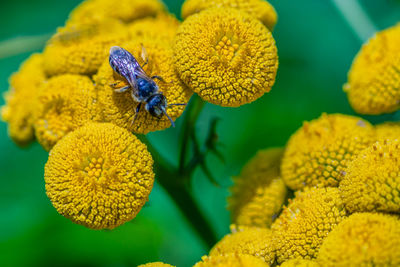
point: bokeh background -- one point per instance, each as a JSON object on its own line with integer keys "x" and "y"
{"x": 316, "y": 46}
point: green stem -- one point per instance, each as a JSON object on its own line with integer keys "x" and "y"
{"x": 193, "y": 111}
{"x": 173, "y": 182}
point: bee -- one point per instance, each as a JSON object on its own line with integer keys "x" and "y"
{"x": 144, "y": 89}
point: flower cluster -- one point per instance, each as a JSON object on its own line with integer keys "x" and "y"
{"x": 98, "y": 173}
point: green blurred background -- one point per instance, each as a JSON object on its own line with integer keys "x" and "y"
{"x": 316, "y": 47}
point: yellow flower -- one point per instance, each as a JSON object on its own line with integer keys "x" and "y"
{"x": 162, "y": 27}
{"x": 64, "y": 103}
{"x": 388, "y": 130}
{"x": 156, "y": 264}
{"x": 120, "y": 108}
{"x": 372, "y": 180}
{"x": 95, "y": 11}
{"x": 231, "y": 260}
{"x": 260, "y": 9}
{"x": 363, "y": 239}
{"x": 250, "y": 240}
{"x": 300, "y": 263}
{"x": 226, "y": 56}
{"x": 259, "y": 192}
{"x": 373, "y": 85}
{"x": 319, "y": 152}
{"x": 305, "y": 222}
{"x": 20, "y": 100}
{"x": 99, "y": 176}
{"x": 82, "y": 48}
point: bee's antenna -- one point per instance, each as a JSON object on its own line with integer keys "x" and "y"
{"x": 172, "y": 122}
{"x": 182, "y": 104}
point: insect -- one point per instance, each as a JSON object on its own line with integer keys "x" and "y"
{"x": 144, "y": 89}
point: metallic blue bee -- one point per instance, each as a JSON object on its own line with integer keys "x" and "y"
{"x": 144, "y": 88}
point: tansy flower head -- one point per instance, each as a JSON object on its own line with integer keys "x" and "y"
{"x": 226, "y": 56}
{"x": 20, "y": 100}
{"x": 373, "y": 85}
{"x": 319, "y": 152}
{"x": 231, "y": 260}
{"x": 300, "y": 263}
{"x": 156, "y": 264}
{"x": 260, "y": 9}
{"x": 82, "y": 48}
{"x": 250, "y": 240}
{"x": 99, "y": 175}
{"x": 120, "y": 108}
{"x": 388, "y": 130}
{"x": 306, "y": 221}
{"x": 363, "y": 239}
{"x": 63, "y": 104}
{"x": 372, "y": 180}
{"x": 96, "y": 11}
{"x": 163, "y": 27}
{"x": 259, "y": 192}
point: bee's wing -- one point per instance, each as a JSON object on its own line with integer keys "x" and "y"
{"x": 139, "y": 72}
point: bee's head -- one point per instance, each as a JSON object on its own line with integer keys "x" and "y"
{"x": 156, "y": 105}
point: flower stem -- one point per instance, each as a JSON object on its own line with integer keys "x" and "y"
{"x": 174, "y": 183}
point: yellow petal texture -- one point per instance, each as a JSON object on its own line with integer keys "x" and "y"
{"x": 259, "y": 9}
{"x": 363, "y": 239}
{"x": 163, "y": 27}
{"x": 99, "y": 176}
{"x": 231, "y": 260}
{"x": 82, "y": 48}
{"x": 258, "y": 193}
{"x": 306, "y": 221}
{"x": 226, "y": 56}
{"x": 96, "y": 11}
{"x": 373, "y": 85}
{"x": 64, "y": 103}
{"x": 120, "y": 108}
{"x": 388, "y": 130}
{"x": 250, "y": 240}
{"x": 156, "y": 264}
{"x": 372, "y": 180}
{"x": 20, "y": 100}
{"x": 300, "y": 263}
{"x": 318, "y": 153}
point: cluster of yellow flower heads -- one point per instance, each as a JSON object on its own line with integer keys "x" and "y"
{"x": 98, "y": 173}
{"x": 373, "y": 85}
{"x": 340, "y": 168}
{"x": 224, "y": 53}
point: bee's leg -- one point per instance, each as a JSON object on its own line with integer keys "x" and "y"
{"x": 123, "y": 89}
{"x": 136, "y": 114}
{"x": 144, "y": 56}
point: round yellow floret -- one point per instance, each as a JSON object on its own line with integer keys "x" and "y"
{"x": 96, "y": 11}
{"x": 372, "y": 180}
{"x": 99, "y": 176}
{"x": 120, "y": 108}
{"x": 302, "y": 226}
{"x": 81, "y": 48}
{"x": 374, "y": 78}
{"x": 156, "y": 264}
{"x": 363, "y": 239}
{"x": 162, "y": 27}
{"x": 300, "y": 263}
{"x": 20, "y": 100}
{"x": 388, "y": 130}
{"x": 259, "y": 192}
{"x": 259, "y": 9}
{"x": 63, "y": 104}
{"x": 226, "y": 56}
{"x": 250, "y": 240}
{"x": 319, "y": 152}
{"x": 231, "y": 260}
